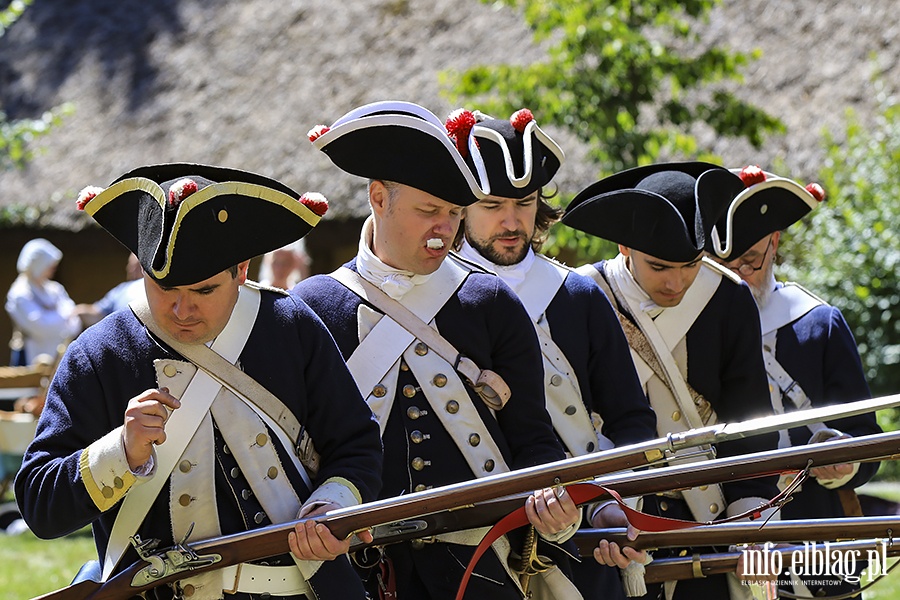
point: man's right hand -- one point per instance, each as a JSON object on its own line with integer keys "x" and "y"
{"x": 145, "y": 424}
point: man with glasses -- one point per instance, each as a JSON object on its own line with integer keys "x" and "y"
{"x": 692, "y": 328}
{"x": 810, "y": 354}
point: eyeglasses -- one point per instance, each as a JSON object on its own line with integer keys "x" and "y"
{"x": 748, "y": 268}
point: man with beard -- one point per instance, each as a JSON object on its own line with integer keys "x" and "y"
{"x": 692, "y": 327}
{"x": 453, "y": 374}
{"x": 810, "y": 354}
{"x": 593, "y": 394}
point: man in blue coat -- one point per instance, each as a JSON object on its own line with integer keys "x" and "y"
{"x": 456, "y": 384}
{"x": 810, "y": 354}
{"x": 139, "y": 439}
{"x": 593, "y": 394}
{"x": 692, "y": 327}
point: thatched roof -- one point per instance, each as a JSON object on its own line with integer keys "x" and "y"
{"x": 240, "y": 83}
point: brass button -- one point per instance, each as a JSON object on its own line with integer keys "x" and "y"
{"x": 184, "y": 499}
{"x": 417, "y": 544}
{"x": 413, "y": 412}
{"x": 118, "y": 483}
{"x": 235, "y": 472}
{"x": 489, "y": 465}
{"x": 452, "y": 407}
{"x": 789, "y": 480}
{"x": 703, "y": 488}
{"x": 226, "y": 449}
{"x": 222, "y": 216}
{"x": 107, "y": 492}
{"x": 379, "y": 391}
{"x": 590, "y": 446}
{"x": 555, "y": 380}
{"x": 420, "y": 488}
{"x": 418, "y": 463}
{"x": 245, "y": 494}
{"x": 170, "y": 370}
{"x": 714, "y": 508}
{"x": 571, "y": 410}
{"x": 676, "y": 416}
{"x": 474, "y": 439}
{"x": 663, "y": 505}
{"x": 770, "y": 388}
{"x": 416, "y": 437}
{"x": 403, "y": 365}
{"x": 440, "y": 380}
{"x": 421, "y": 349}
{"x": 259, "y": 517}
{"x": 409, "y": 390}
{"x": 261, "y": 439}
{"x": 185, "y": 466}
{"x": 188, "y": 590}
{"x": 272, "y": 473}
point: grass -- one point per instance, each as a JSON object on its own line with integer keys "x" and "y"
{"x": 31, "y": 567}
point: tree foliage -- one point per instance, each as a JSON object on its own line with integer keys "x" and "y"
{"x": 17, "y": 135}
{"x": 848, "y": 250}
{"x": 624, "y": 76}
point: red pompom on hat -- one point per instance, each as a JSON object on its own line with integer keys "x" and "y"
{"x": 459, "y": 125}
{"x": 317, "y": 132}
{"x": 315, "y": 202}
{"x": 86, "y": 195}
{"x": 816, "y": 190}
{"x": 181, "y": 189}
{"x": 520, "y": 119}
{"x": 752, "y": 175}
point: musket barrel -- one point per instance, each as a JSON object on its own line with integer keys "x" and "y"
{"x": 466, "y": 505}
{"x": 799, "y": 530}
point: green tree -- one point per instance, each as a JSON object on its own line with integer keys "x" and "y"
{"x": 16, "y": 136}
{"x": 848, "y": 249}
{"x": 625, "y": 77}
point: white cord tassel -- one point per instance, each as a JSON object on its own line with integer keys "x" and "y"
{"x": 633, "y": 578}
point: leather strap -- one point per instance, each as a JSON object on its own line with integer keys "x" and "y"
{"x": 489, "y": 385}
{"x": 240, "y": 384}
{"x": 182, "y": 424}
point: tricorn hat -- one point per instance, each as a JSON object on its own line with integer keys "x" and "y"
{"x": 518, "y": 156}
{"x": 760, "y": 203}
{"x": 188, "y": 222}
{"x": 405, "y": 143}
{"x": 653, "y": 209}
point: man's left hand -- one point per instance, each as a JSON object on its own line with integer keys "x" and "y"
{"x": 314, "y": 541}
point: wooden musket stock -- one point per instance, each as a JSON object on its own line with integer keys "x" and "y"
{"x": 475, "y": 504}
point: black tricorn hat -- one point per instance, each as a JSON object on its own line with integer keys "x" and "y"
{"x": 760, "y": 203}
{"x": 518, "y": 156}
{"x": 653, "y": 209}
{"x": 189, "y": 222}
{"x": 405, "y": 143}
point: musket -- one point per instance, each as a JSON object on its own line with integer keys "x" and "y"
{"x": 697, "y": 566}
{"x": 464, "y": 505}
{"x": 726, "y": 534}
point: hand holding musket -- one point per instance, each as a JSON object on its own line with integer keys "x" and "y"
{"x": 475, "y": 504}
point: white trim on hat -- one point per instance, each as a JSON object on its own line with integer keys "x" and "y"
{"x": 772, "y": 181}
{"x": 392, "y": 113}
{"x": 496, "y": 137}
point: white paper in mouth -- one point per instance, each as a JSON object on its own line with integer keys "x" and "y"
{"x": 435, "y": 243}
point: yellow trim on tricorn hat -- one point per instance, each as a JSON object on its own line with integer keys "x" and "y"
{"x": 187, "y": 222}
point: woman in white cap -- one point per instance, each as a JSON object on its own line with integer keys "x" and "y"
{"x": 42, "y": 314}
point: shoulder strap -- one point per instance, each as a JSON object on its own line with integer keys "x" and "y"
{"x": 240, "y": 384}
{"x": 489, "y": 385}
